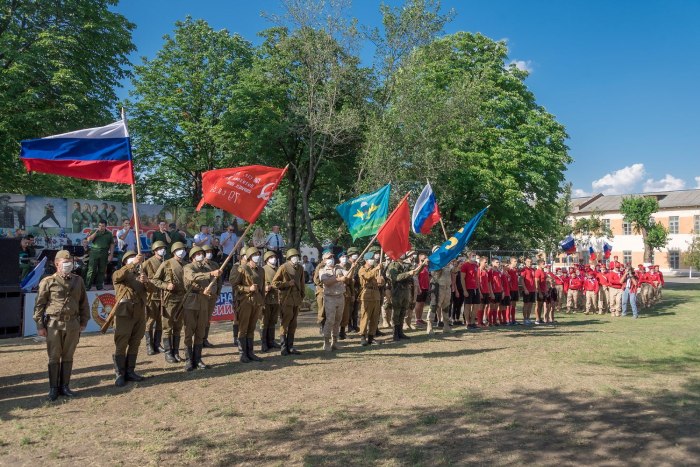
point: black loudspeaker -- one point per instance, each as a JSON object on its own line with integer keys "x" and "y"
{"x": 9, "y": 252}
{"x": 10, "y": 312}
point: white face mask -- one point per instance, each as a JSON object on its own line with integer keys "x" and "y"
{"x": 377, "y": 256}
{"x": 198, "y": 257}
{"x": 330, "y": 262}
{"x": 130, "y": 260}
{"x": 354, "y": 257}
{"x": 210, "y": 255}
{"x": 67, "y": 267}
{"x": 272, "y": 261}
{"x": 255, "y": 258}
{"x": 370, "y": 262}
{"x": 343, "y": 260}
{"x": 180, "y": 253}
{"x": 160, "y": 252}
{"x": 294, "y": 260}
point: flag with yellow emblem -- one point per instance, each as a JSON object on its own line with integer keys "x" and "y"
{"x": 366, "y": 213}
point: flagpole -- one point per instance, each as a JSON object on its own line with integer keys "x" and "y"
{"x": 442, "y": 224}
{"x": 133, "y": 196}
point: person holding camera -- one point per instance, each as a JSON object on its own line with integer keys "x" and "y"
{"x": 630, "y": 282}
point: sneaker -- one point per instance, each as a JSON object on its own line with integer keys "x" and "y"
{"x": 537, "y": 323}
{"x": 635, "y": 316}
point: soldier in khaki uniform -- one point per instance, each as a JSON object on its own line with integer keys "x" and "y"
{"x": 439, "y": 297}
{"x": 169, "y": 278}
{"x": 349, "y": 296}
{"x": 216, "y": 291}
{"x": 272, "y": 303}
{"x": 334, "y": 281}
{"x": 289, "y": 280}
{"x": 61, "y": 312}
{"x": 154, "y": 315}
{"x": 250, "y": 286}
{"x": 401, "y": 276}
{"x": 197, "y": 306}
{"x": 130, "y": 318}
{"x": 320, "y": 314}
{"x": 370, "y": 280}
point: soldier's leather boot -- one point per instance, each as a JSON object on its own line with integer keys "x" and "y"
{"x": 149, "y": 343}
{"x": 243, "y": 353}
{"x": 342, "y": 336}
{"x": 66, "y": 370}
{"x": 249, "y": 350}
{"x": 176, "y": 349}
{"x": 285, "y": 347}
{"x": 120, "y": 370}
{"x": 271, "y": 339}
{"x": 264, "y": 347}
{"x": 54, "y": 381}
{"x": 397, "y": 336}
{"x": 401, "y": 333}
{"x": 190, "y": 362}
{"x": 334, "y": 342}
{"x": 370, "y": 340}
{"x": 235, "y": 336}
{"x": 380, "y": 333}
{"x": 198, "y": 357}
{"x": 168, "y": 350}
{"x": 131, "y": 374}
{"x": 363, "y": 342}
{"x": 290, "y": 344}
{"x": 206, "y": 344}
{"x": 157, "y": 336}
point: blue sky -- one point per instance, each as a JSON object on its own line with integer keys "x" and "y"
{"x": 622, "y": 76}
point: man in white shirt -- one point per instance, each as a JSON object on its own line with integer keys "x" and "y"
{"x": 203, "y": 237}
{"x": 275, "y": 242}
{"x": 228, "y": 240}
{"x": 126, "y": 237}
{"x": 308, "y": 269}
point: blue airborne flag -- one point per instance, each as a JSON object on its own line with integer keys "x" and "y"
{"x": 33, "y": 278}
{"x": 455, "y": 244}
{"x": 366, "y": 213}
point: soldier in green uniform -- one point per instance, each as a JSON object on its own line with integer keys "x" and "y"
{"x": 154, "y": 302}
{"x": 103, "y": 212}
{"x": 216, "y": 291}
{"x": 130, "y": 318}
{"x": 101, "y": 252}
{"x": 320, "y": 312}
{"x": 349, "y": 296}
{"x": 112, "y": 218}
{"x": 401, "y": 276}
{"x": 162, "y": 235}
{"x": 370, "y": 280}
{"x": 77, "y": 218}
{"x": 87, "y": 218}
{"x": 272, "y": 303}
{"x": 197, "y": 306}
{"x": 61, "y": 312}
{"x": 95, "y": 216}
{"x": 170, "y": 279}
{"x": 289, "y": 280}
{"x": 250, "y": 285}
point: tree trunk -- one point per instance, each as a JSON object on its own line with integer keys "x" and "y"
{"x": 648, "y": 250}
{"x": 292, "y": 194}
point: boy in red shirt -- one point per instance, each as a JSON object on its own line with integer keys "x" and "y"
{"x": 470, "y": 286}
{"x": 529, "y": 291}
{"x": 574, "y": 291}
{"x": 615, "y": 291}
{"x": 603, "y": 292}
{"x": 541, "y": 288}
{"x": 512, "y": 272}
{"x": 485, "y": 292}
{"x": 496, "y": 280}
{"x": 591, "y": 287}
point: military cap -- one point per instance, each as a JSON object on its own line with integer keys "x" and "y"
{"x": 127, "y": 255}
{"x": 268, "y": 255}
{"x": 207, "y": 248}
{"x": 292, "y": 252}
{"x": 195, "y": 249}
{"x": 177, "y": 246}
{"x": 250, "y": 251}
{"x": 353, "y": 251}
{"x": 63, "y": 254}
{"x": 374, "y": 249}
{"x": 157, "y": 245}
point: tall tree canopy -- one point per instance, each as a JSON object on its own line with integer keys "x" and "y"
{"x": 638, "y": 211}
{"x": 60, "y": 62}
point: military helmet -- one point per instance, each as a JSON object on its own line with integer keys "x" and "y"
{"x": 157, "y": 245}
{"x": 195, "y": 249}
{"x": 207, "y": 248}
{"x": 374, "y": 249}
{"x": 127, "y": 255}
{"x": 292, "y": 252}
{"x": 250, "y": 251}
{"x": 63, "y": 254}
{"x": 268, "y": 255}
{"x": 353, "y": 251}
{"x": 177, "y": 246}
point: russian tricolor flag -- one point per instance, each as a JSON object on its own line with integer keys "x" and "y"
{"x": 102, "y": 154}
{"x": 591, "y": 252}
{"x": 568, "y": 245}
{"x": 607, "y": 249}
{"x": 425, "y": 212}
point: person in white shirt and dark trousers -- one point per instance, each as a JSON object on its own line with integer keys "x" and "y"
{"x": 275, "y": 243}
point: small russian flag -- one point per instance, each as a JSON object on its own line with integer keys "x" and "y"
{"x": 425, "y": 212}
{"x": 592, "y": 253}
{"x": 607, "y": 249}
{"x": 568, "y": 245}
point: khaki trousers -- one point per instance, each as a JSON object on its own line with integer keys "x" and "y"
{"x": 369, "y": 317}
{"x": 129, "y": 326}
{"x": 334, "y": 305}
{"x": 591, "y": 300}
{"x": 615, "y": 301}
{"x": 61, "y": 340}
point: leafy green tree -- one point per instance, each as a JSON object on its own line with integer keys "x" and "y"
{"x": 178, "y": 107}
{"x": 691, "y": 257}
{"x": 60, "y": 62}
{"x": 638, "y": 211}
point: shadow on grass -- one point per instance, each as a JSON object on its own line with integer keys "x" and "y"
{"x": 550, "y": 427}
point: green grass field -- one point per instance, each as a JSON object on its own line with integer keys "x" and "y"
{"x": 593, "y": 390}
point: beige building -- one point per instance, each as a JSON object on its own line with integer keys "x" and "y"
{"x": 679, "y": 212}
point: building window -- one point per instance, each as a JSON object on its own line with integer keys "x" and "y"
{"x": 627, "y": 257}
{"x": 653, "y": 256}
{"x": 673, "y": 224}
{"x": 696, "y": 225}
{"x": 626, "y": 228}
{"x": 606, "y": 224}
{"x": 674, "y": 259}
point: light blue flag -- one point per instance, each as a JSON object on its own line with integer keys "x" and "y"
{"x": 366, "y": 213}
{"x": 33, "y": 278}
{"x": 454, "y": 245}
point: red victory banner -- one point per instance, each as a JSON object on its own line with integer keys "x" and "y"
{"x": 242, "y": 191}
{"x": 393, "y": 235}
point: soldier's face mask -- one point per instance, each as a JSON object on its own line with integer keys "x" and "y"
{"x": 343, "y": 260}
{"x": 377, "y": 256}
{"x": 198, "y": 257}
{"x": 160, "y": 252}
{"x": 180, "y": 253}
{"x": 294, "y": 260}
{"x": 130, "y": 260}
{"x": 255, "y": 258}
{"x": 370, "y": 262}
{"x": 330, "y": 262}
{"x": 210, "y": 255}
{"x": 66, "y": 267}
{"x": 272, "y": 261}
{"x": 354, "y": 257}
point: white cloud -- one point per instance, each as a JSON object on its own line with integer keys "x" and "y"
{"x": 668, "y": 183}
{"x": 620, "y": 181}
{"x": 697, "y": 182}
{"x": 579, "y": 193}
{"x": 522, "y": 65}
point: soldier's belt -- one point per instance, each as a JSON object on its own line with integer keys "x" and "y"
{"x": 63, "y": 318}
